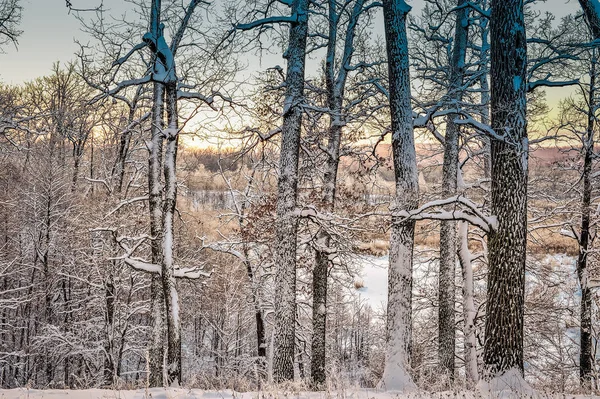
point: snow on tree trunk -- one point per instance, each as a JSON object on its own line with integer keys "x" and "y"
{"x": 399, "y": 321}
{"x": 586, "y": 352}
{"x": 119, "y": 167}
{"x": 167, "y": 266}
{"x": 591, "y": 9}
{"x": 287, "y": 190}
{"x": 469, "y": 311}
{"x": 447, "y": 289}
{"x": 156, "y": 352}
{"x": 503, "y": 349}
{"x": 335, "y": 96}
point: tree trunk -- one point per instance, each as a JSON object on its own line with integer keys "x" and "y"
{"x": 109, "y": 363}
{"x": 503, "y": 350}
{"x": 168, "y": 277}
{"x": 399, "y": 319}
{"x": 485, "y": 97}
{"x": 586, "y": 352}
{"x": 447, "y": 289}
{"x": 469, "y": 311}
{"x": 156, "y": 352}
{"x": 335, "y": 97}
{"x": 287, "y": 187}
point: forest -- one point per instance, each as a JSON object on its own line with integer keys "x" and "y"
{"x": 285, "y": 196}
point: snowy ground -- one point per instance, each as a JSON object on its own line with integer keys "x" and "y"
{"x": 172, "y": 393}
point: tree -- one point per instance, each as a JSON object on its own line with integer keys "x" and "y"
{"x": 10, "y": 17}
{"x": 503, "y": 349}
{"x": 448, "y": 234}
{"x": 397, "y": 362}
{"x": 287, "y": 187}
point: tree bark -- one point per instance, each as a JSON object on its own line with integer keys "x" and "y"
{"x": 156, "y": 352}
{"x": 399, "y": 320}
{"x": 586, "y": 352}
{"x": 167, "y": 266}
{"x": 448, "y": 236}
{"x": 469, "y": 310}
{"x": 287, "y": 190}
{"x": 503, "y": 350}
{"x": 335, "y": 96}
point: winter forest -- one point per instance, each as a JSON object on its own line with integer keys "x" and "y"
{"x": 349, "y": 197}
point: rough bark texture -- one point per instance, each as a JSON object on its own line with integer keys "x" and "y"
{"x": 335, "y": 96}
{"x": 156, "y": 353}
{"x": 399, "y": 321}
{"x": 447, "y": 289}
{"x": 287, "y": 190}
{"x": 586, "y": 352}
{"x": 167, "y": 266}
{"x": 591, "y": 9}
{"x": 503, "y": 349}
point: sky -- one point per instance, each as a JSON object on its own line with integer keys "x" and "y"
{"x": 49, "y": 34}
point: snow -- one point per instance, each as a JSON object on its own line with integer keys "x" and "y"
{"x": 507, "y": 385}
{"x": 180, "y": 393}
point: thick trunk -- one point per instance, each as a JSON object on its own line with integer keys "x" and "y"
{"x": 591, "y": 9}
{"x": 586, "y": 353}
{"x": 447, "y": 289}
{"x": 287, "y": 187}
{"x": 503, "y": 351}
{"x": 399, "y": 322}
{"x": 167, "y": 266}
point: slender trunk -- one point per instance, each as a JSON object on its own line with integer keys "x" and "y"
{"x": 109, "y": 364}
{"x": 156, "y": 352}
{"x": 167, "y": 267}
{"x": 119, "y": 167}
{"x": 335, "y": 98}
{"x": 469, "y": 311}
{"x": 447, "y": 289}
{"x": 287, "y": 190}
{"x": 586, "y": 353}
{"x": 503, "y": 350}
{"x": 485, "y": 97}
{"x": 399, "y": 319}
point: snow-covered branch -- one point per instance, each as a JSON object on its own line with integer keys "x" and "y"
{"x": 471, "y": 214}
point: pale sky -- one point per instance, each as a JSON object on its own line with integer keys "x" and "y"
{"x": 49, "y": 33}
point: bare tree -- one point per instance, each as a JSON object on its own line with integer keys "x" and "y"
{"x": 503, "y": 349}
{"x": 397, "y": 363}
{"x": 10, "y": 18}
